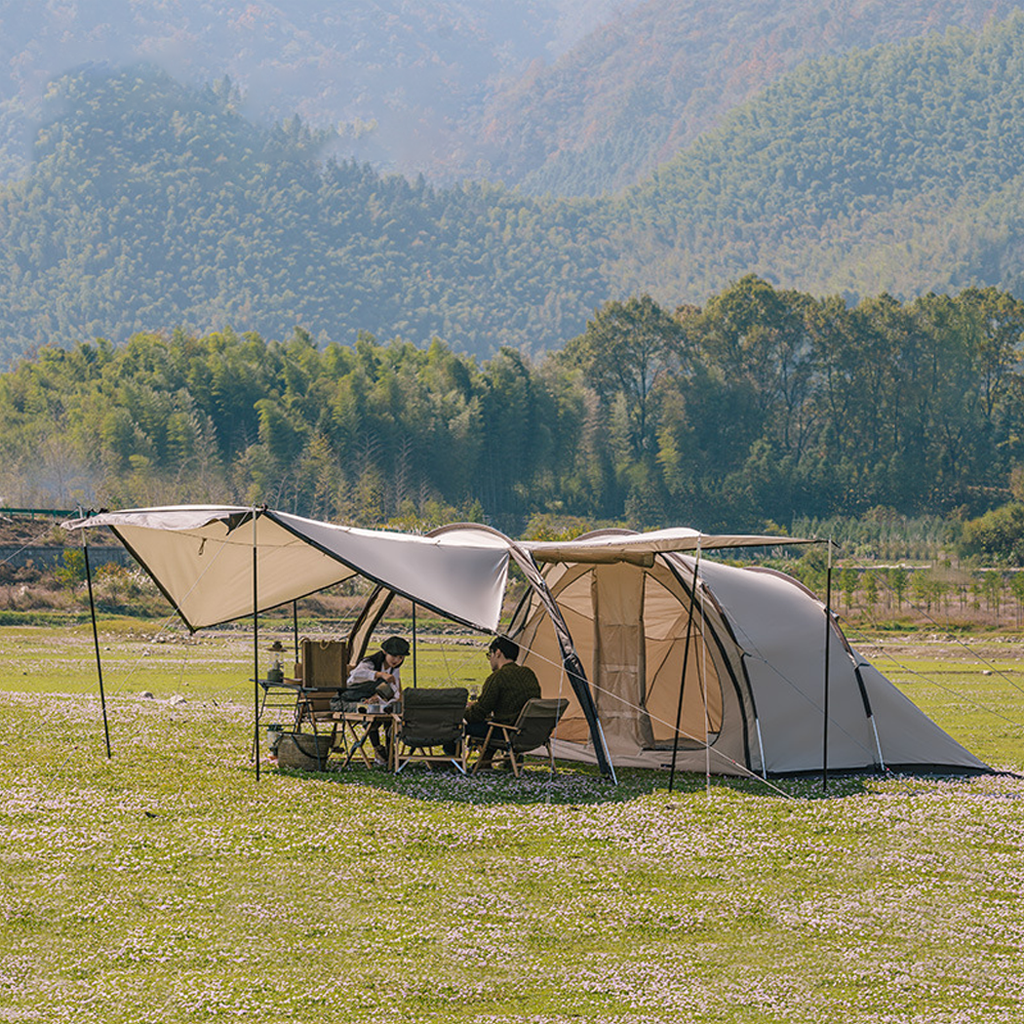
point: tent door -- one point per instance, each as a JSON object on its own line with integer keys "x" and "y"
{"x": 620, "y": 670}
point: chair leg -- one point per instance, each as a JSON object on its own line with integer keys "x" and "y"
{"x": 483, "y": 750}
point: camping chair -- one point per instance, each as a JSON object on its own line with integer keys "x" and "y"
{"x": 324, "y": 668}
{"x": 532, "y": 729}
{"x": 313, "y": 704}
{"x": 431, "y": 718}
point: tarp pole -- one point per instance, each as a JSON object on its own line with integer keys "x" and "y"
{"x": 295, "y": 627}
{"x": 414, "y": 645}
{"x": 682, "y": 682}
{"x": 702, "y": 674}
{"x": 96, "y": 643}
{"x": 255, "y": 654}
{"x": 828, "y": 636}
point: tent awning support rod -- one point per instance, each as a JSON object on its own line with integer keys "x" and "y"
{"x": 682, "y": 682}
{"x": 828, "y": 637}
{"x": 255, "y": 654}
{"x": 96, "y": 644}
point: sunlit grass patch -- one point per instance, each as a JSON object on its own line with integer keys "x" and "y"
{"x": 167, "y": 884}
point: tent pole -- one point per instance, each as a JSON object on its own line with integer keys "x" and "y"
{"x": 702, "y": 675}
{"x": 682, "y": 682}
{"x": 96, "y": 644}
{"x": 414, "y": 645}
{"x": 255, "y": 655}
{"x": 828, "y": 635}
{"x": 295, "y": 627}
{"x": 760, "y": 746}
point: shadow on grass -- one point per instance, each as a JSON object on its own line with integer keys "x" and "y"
{"x": 574, "y": 783}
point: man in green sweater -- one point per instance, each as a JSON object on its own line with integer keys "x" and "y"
{"x": 505, "y": 691}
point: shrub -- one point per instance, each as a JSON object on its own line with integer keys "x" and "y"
{"x": 71, "y": 571}
{"x": 997, "y": 535}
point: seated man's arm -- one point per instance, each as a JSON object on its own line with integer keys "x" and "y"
{"x": 481, "y": 709}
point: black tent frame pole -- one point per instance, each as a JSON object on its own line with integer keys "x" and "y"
{"x": 255, "y": 654}
{"x": 96, "y": 644}
{"x": 414, "y": 645}
{"x": 295, "y": 628}
{"x": 682, "y": 682}
{"x": 828, "y": 635}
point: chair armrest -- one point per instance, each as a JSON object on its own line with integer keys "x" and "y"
{"x": 506, "y": 727}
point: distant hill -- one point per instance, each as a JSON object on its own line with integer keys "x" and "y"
{"x": 897, "y": 168}
{"x": 152, "y": 206}
{"x": 552, "y": 95}
{"x": 642, "y": 87}
{"x": 400, "y": 75}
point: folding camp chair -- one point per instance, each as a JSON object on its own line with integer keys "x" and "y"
{"x": 532, "y": 729}
{"x": 430, "y": 719}
{"x": 313, "y": 705}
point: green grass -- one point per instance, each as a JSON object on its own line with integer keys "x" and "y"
{"x": 169, "y": 885}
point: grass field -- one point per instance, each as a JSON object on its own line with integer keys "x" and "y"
{"x": 169, "y": 885}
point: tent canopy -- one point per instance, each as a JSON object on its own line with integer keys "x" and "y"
{"x": 608, "y": 616}
{"x": 201, "y": 557}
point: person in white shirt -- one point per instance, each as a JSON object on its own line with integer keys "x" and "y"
{"x": 379, "y": 675}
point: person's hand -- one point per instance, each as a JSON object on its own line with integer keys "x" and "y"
{"x": 386, "y": 677}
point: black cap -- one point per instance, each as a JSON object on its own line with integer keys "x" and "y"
{"x": 395, "y": 645}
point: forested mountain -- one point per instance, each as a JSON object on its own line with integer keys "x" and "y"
{"x": 575, "y": 98}
{"x": 642, "y": 87}
{"x": 400, "y": 76}
{"x": 152, "y": 206}
{"x": 764, "y": 404}
{"x": 895, "y": 169}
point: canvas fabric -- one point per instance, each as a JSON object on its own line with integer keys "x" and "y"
{"x": 604, "y": 624}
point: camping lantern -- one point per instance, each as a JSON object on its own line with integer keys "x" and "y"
{"x": 275, "y": 674}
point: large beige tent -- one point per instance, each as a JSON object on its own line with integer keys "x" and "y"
{"x": 753, "y": 697}
{"x": 609, "y": 620}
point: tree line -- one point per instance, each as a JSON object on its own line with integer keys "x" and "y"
{"x": 761, "y": 406}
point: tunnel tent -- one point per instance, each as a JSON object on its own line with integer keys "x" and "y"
{"x": 605, "y": 620}
{"x": 753, "y": 694}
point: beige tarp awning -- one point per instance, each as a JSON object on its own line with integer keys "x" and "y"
{"x": 202, "y": 558}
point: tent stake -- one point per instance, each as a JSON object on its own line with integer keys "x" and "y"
{"x": 682, "y": 682}
{"x": 255, "y": 654}
{"x": 828, "y": 635}
{"x": 96, "y": 644}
